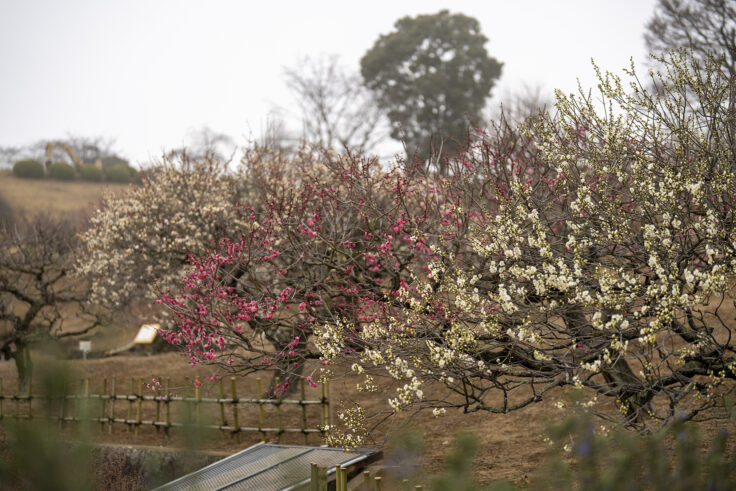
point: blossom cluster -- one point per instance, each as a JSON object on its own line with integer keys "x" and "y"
{"x": 601, "y": 254}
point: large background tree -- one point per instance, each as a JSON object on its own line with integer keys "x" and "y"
{"x": 707, "y": 27}
{"x": 432, "y": 75}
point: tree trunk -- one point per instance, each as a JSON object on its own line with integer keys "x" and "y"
{"x": 24, "y": 365}
{"x": 620, "y": 378}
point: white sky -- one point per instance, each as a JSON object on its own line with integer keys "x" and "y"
{"x": 148, "y": 73}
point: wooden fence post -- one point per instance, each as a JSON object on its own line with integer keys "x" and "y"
{"x": 340, "y": 478}
{"x": 17, "y": 404}
{"x": 187, "y": 402}
{"x": 167, "y": 408}
{"x": 325, "y": 413}
{"x": 157, "y": 419}
{"x": 62, "y": 405}
{"x": 261, "y": 417}
{"x": 30, "y": 398}
{"x": 223, "y": 421}
{"x": 85, "y": 411}
{"x": 344, "y": 478}
{"x": 138, "y": 409}
{"x": 278, "y": 412}
{"x": 129, "y": 415}
{"x": 236, "y": 422}
{"x": 313, "y": 477}
{"x": 304, "y": 411}
{"x": 78, "y": 403}
{"x": 103, "y": 401}
{"x": 196, "y": 401}
{"x": 113, "y": 398}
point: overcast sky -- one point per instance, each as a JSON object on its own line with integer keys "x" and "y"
{"x": 149, "y": 73}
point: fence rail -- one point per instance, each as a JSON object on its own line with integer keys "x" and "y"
{"x": 161, "y": 411}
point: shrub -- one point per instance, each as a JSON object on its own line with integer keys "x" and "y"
{"x": 62, "y": 171}
{"x": 671, "y": 458}
{"x": 118, "y": 173}
{"x": 135, "y": 175}
{"x": 89, "y": 172}
{"x": 112, "y": 161}
{"x": 36, "y": 456}
{"x": 32, "y": 169}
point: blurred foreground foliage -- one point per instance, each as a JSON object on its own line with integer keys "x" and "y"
{"x": 583, "y": 457}
{"x": 675, "y": 458}
{"x": 38, "y": 454}
{"x": 32, "y": 453}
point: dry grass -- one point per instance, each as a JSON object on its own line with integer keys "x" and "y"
{"x": 56, "y": 198}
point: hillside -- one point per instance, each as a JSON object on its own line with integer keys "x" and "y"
{"x": 57, "y": 198}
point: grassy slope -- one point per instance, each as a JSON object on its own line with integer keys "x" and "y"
{"x": 75, "y": 200}
{"x": 57, "y": 198}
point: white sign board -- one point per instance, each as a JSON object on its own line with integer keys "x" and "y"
{"x": 85, "y": 347}
{"x": 147, "y": 333}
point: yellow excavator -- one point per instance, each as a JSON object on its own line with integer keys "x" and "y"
{"x": 72, "y": 155}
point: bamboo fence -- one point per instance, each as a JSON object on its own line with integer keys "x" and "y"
{"x": 134, "y": 410}
{"x": 319, "y": 481}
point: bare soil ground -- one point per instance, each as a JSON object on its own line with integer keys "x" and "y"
{"x": 510, "y": 445}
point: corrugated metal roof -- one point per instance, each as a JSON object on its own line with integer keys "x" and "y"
{"x": 268, "y": 466}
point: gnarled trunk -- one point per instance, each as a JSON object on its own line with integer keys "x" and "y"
{"x": 24, "y": 365}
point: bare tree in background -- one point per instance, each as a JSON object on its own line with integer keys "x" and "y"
{"x": 202, "y": 144}
{"x": 703, "y": 26}
{"x": 90, "y": 148}
{"x": 39, "y": 299}
{"x": 205, "y": 141}
{"x": 517, "y": 106}
{"x": 9, "y": 155}
{"x": 337, "y": 110}
{"x": 274, "y": 134}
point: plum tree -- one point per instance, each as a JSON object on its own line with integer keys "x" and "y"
{"x": 592, "y": 248}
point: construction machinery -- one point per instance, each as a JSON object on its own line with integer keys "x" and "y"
{"x": 72, "y": 155}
